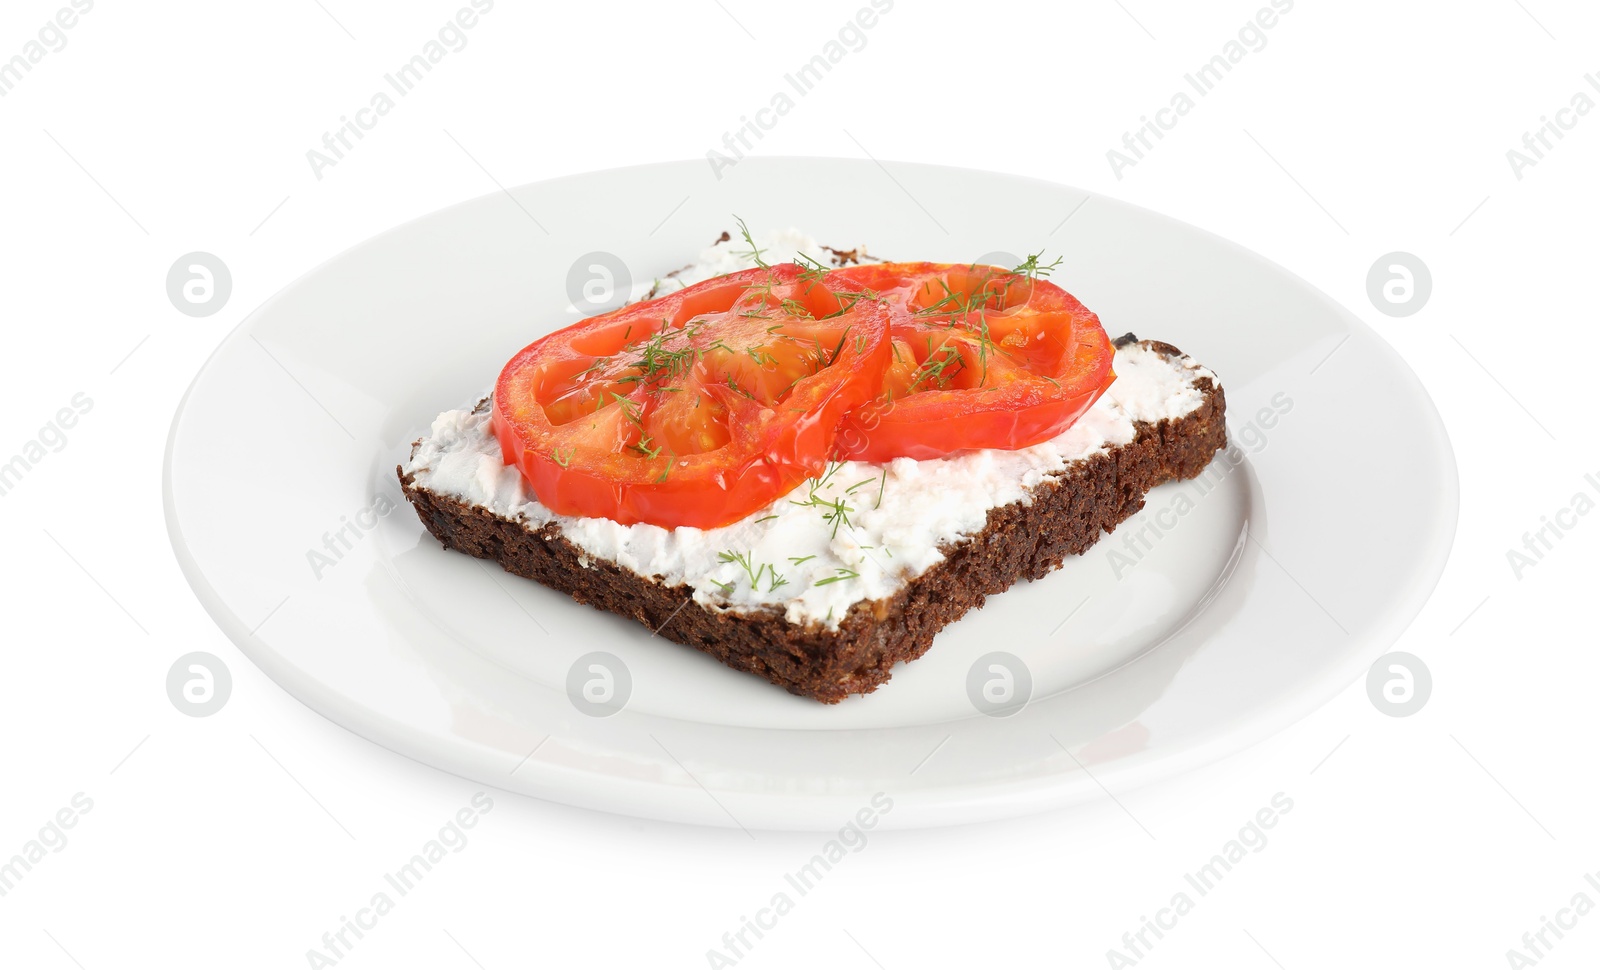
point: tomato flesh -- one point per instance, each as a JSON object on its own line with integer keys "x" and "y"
{"x": 980, "y": 357}
{"x": 703, "y": 406}
{"x": 693, "y": 409}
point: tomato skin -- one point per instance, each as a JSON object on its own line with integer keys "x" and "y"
{"x": 1051, "y": 361}
{"x": 581, "y": 426}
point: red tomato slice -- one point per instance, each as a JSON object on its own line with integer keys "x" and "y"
{"x": 694, "y": 409}
{"x": 981, "y": 357}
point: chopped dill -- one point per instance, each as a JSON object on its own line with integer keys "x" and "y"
{"x": 1033, "y": 269}
{"x": 841, "y": 574}
{"x": 754, "y": 252}
{"x": 811, "y": 271}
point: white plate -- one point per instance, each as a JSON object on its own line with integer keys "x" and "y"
{"x": 1271, "y": 591}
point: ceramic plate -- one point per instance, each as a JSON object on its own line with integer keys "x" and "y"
{"x": 1230, "y": 607}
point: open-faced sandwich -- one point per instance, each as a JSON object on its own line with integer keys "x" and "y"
{"x": 807, "y": 468}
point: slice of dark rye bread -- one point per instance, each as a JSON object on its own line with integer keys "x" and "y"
{"x": 1067, "y": 514}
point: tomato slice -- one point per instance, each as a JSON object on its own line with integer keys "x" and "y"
{"x": 981, "y": 357}
{"x": 693, "y": 409}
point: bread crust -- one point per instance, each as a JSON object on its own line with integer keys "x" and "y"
{"x": 1066, "y": 515}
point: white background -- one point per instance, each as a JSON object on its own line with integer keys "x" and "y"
{"x": 239, "y": 839}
